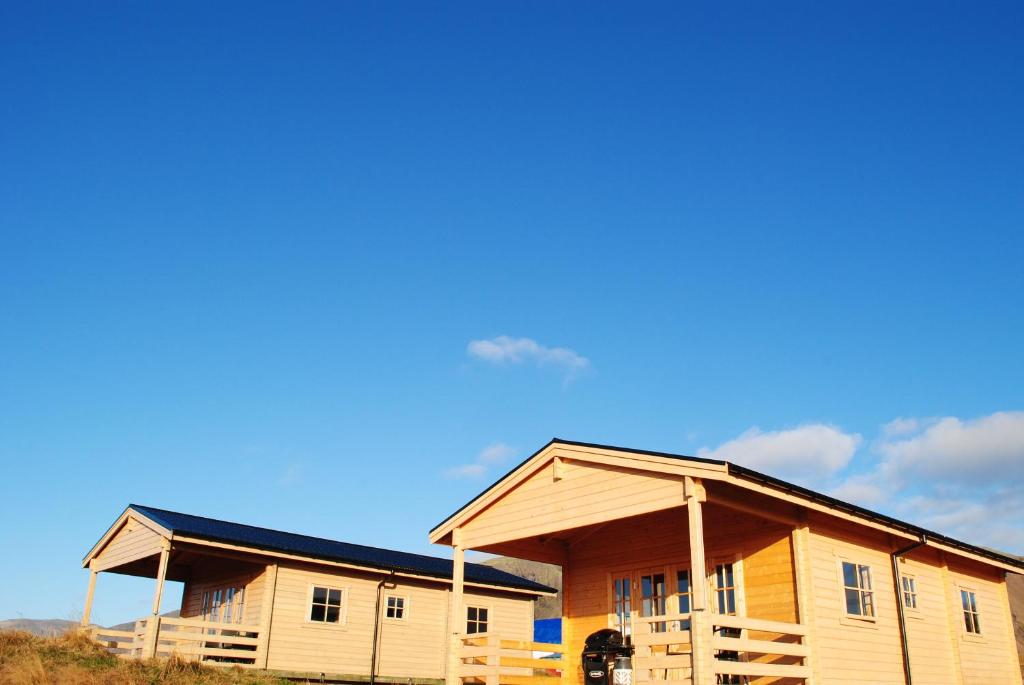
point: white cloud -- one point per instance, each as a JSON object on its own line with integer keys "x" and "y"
{"x": 961, "y": 477}
{"x": 495, "y": 454}
{"x": 507, "y": 350}
{"x": 801, "y": 453}
{"x": 990, "y": 447}
{"x": 466, "y": 471}
{"x": 900, "y": 426}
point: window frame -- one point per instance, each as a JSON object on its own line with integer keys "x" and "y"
{"x": 404, "y": 608}
{"x": 342, "y": 608}
{"x": 857, "y": 619}
{"x": 965, "y": 632}
{"x": 487, "y": 622}
{"x": 915, "y": 610}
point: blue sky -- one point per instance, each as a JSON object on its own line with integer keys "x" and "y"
{"x": 258, "y": 260}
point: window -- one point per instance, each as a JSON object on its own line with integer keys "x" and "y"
{"x": 395, "y": 607}
{"x": 725, "y": 589}
{"x": 652, "y": 598}
{"x": 972, "y": 620}
{"x": 909, "y": 589}
{"x": 476, "y": 620}
{"x": 226, "y": 605}
{"x": 684, "y": 595}
{"x": 860, "y": 599}
{"x": 326, "y": 605}
{"x": 215, "y": 606}
{"x": 623, "y": 603}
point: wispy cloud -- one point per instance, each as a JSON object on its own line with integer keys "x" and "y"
{"x": 810, "y": 451}
{"x": 963, "y": 477}
{"x": 504, "y": 349}
{"x": 495, "y": 454}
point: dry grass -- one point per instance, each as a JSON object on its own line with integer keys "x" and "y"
{"x": 73, "y": 659}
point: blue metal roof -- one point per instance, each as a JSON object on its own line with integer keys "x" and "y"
{"x": 329, "y": 550}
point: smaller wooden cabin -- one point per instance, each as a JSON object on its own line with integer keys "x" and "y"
{"x": 297, "y": 605}
{"x": 722, "y": 575}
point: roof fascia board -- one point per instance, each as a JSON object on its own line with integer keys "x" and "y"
{"x": 116, "y": 527}
{"x": 861, "y": 520}
{"x": 256, "y": 551}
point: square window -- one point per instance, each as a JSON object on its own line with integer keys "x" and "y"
{"x": 476, "y": 620}
{"x": 326, "y": 605}
{"x": 395, "y": 607}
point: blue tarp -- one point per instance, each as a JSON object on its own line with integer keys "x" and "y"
{"x": 547, "y": 630}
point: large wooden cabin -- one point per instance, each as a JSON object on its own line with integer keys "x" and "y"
{"x": 297, "y": 605}
{"x": 720, "y": 574}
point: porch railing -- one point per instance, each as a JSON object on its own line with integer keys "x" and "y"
{"x": 196, "y": 640}
{"x": 488, "y": 659}
{"x": 662, "y": 649}
{"x": 741, "y": 646}
{"x": 756, "y": 647}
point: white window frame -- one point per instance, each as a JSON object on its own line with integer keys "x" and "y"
{"x": 856, "y": 619}
{"x": 978, "y": 636}
{"x": 916, "y": 592}
{"x": 342, "y": 610}
{"x": 405, "y": 607}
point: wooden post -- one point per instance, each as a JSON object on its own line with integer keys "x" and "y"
{"x": 703, "y": 655}
{"x": 266, "y": 615}
{"x": 569, "y": 659}
{"x": 457, "y": 611}
{"x": 805, "y": 595}
{"x": 153, "y": 624}
{"x": 493, "y": 659}
{"x": 87, "y": 611}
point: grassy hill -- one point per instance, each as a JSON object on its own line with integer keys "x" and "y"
{"x": 27, "y": 659}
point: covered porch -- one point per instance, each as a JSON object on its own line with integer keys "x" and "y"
{"x": 705, "y": 582}
{"x": 226, "y": 605}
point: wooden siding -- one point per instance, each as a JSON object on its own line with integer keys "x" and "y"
{"x": 584, "y": 494}
{"x": 984, "y": 658}
{"x": 854, "y": 651}
{"x": 414, "y": 647}
{"x": 659, "y": 541}
{"x": 219, "y": 574}
{"x": 132, "y": 542}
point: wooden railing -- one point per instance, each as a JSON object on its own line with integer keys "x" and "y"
{"x": 488, "y": 659}
{"x": 196, "y": 640}
{"x": 755, "y": 647}
{"x": 662, "y": 649}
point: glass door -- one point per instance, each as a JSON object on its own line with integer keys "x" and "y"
{"x": 652, "y": 597}
{"x": 622, "y": 602}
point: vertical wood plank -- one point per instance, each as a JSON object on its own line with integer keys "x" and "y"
{"x": 456, "y": 614}
{"x": 805, "y": 595}
{"x": 153, "y": 624}
{"x": 87, "y": 610}
{"x": 266, "y": 615}
{"x": 952, "y": 619}
{"x": 700, "y": 622}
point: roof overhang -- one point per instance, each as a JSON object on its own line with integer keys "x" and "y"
{"x": 224, "y": 548}
{"x": 712, "y": 470}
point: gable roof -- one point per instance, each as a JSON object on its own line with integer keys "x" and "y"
{"x": 329, "y": 550}
{"x": 771, "y": 483}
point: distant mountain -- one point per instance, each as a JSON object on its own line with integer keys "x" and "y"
{"x": 1015, "y": 586}
{"x": 43, "y": 627}
{"x": 47, "y": 627}
{"x": 545, "y": 574}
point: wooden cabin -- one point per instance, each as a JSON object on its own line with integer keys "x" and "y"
{"x": 300, "y": 606}
{"x": 719, "y": 574}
